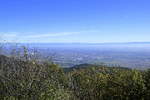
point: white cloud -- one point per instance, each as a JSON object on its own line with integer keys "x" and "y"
{"x": 30, "y": 36}
{"x": 8, "y": 36}
{"x": 51, "y": 34}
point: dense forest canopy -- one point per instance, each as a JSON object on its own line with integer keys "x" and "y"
{"x": 22, "y": 78}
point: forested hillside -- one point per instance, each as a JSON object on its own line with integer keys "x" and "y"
{"x": 33, "y": 80}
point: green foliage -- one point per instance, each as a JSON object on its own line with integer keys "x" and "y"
{"x": 32, "y": 80}
{"x": 103, "y": 83}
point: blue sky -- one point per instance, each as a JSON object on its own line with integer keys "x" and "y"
{"x": 85, "y": 21}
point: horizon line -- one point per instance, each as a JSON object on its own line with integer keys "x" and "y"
{"x": 71, "y": 42}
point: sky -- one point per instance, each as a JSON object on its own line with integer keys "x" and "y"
{"x": 74, "y": 21}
